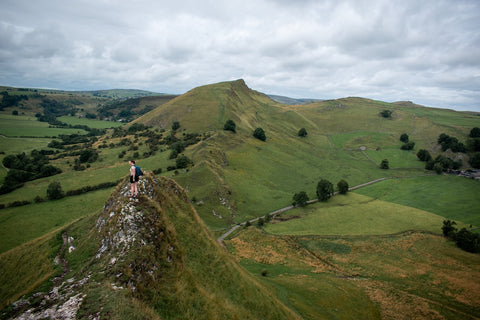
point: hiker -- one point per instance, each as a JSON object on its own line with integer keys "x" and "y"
{"x": 134, "y": 177}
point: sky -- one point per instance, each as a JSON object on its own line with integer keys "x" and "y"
{"x": 424, "y": 51}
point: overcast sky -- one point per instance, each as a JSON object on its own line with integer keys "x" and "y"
{"x": 426, "y": 51}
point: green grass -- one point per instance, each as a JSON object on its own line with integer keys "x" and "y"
{"x": 370, "y": 140}
{"x": 448, "y": 196}
{"x": 354, "y": 214}
{"x": 24, "y": 126}
{"x": 397, "y": 158}
{"x": 96, "y": 124}
{"x": 23, "y": 224}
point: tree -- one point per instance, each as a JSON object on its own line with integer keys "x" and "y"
{"x": 384, "y": 164}
{"x": 424, "y": 155}
{"x": 259, "y": 134}
{"x": 386, "y": 113}
{"x": 324, "y": 190}
{"x": 448, "y": 229}
{"x": 475, "y": 133}
{"x": 54, "y": 191}
{"x": 408, "y": 145}
{"x": 342, "y": 186}
{"x": 475, "y": 160}
{"x": 404, "y": 137}
{"x": 175, "y": 125}
{"x": 183, "y": 162}
{"x": 302, "y": 132}
{"x": 230, "y": 126}
{"x": 300, "y": 199}
{"x": 468, "y": 241}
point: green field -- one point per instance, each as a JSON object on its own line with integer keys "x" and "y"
{"x": 448, "y": 196}
{"x": 95, "y": 124}
{"x": 23, "y": 126}
{"x": 397, "y": 158}
{"x": 354, "y": 214}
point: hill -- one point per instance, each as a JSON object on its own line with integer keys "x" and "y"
{"x": 347, "y": 139}
{"x": 150, "y": 258}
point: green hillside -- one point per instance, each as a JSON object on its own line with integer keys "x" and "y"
{"x": 317, "y": 253}
{"x": 153, "y": 258}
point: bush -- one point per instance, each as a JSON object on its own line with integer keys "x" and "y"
{"x": 386, "y": 113}
{"x": 404, "y": 137}
{"x": 384, "y": 165}
{"x": 324, "y": 190}
{"x": 230, "y": 126}
{"x": 342, "y": 186}
{"x": 475, "y": 133}
{"x": 302, "y": 132}
{"x": 408, "y": 145}
{"x": 175, "y": 125}
{"x": 300, "y": 199}
{"x": 424, "y": 155}
{"x": 183, "y": 162}
{"x": 54, "y": 191}
{"x": 475, "y": 160}
{"x": 259, "y": 134}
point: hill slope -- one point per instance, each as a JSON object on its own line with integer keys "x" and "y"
{"x": 236, "y": 177}
{"x": 153, "y": 258}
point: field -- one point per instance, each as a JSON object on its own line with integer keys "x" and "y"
{"x": 354, "y": 214}
{"x": 24, "y": 126}
{"x": 404, "y": 276}
{"x": 95, "y": 124}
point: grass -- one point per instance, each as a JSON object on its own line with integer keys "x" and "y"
{"x": 397, "y": 158}
{"x": 27, "y": 266}
{"x": 448, "y": 196}
{"x": 367, "y": 277}
{"x": 96, "y": 124}
{"x": 23, "y": 224}
{"x": 354, "y": 214}
{"x": 24, "y": 126}
{"x": 370, "y": 140}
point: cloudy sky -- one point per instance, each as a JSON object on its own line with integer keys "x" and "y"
{"x": 425, "y": 51}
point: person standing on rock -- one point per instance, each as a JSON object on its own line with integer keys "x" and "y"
{"x": 133, "y": 179}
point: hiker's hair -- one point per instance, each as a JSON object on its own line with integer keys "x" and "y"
{"x": 133, "y": 161}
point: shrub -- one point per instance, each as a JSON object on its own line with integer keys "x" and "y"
{"x": 175, "y": 125}
{"x": 230, "y": 126}
{"x": 384, "y": 165}
{"x": 259, "y": 134}
{"x": 408, "y": 145}
{"x": 324, "y": 190}
{"x": 302, "y": 132}
{"x": 386, "y": 113}
{"x": 342, "y": 186}
{"x": 475, "y": 133}
{"x": 54, "y": 191}
{"x": 404, "y": 137}
{"x": 475, "y": 160}
{"x": 183, "y": 162}
{"x": 424, "y": 155}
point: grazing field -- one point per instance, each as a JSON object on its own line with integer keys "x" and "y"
{"x": 23, "y": 126}
{"x": 357, "y": 139}
{"x": 415, "y": 275}
{"x": 22, "y": 224}
{"x": 354, "y": 214}
{"x": 448, "y": 196}
{"x": 91, "y": 123}
{"x": 397, "y": 158}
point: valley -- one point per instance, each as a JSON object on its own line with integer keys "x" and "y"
{"x": 375, "y": 252}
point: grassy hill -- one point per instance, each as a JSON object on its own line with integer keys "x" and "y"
{"x": 235, "y": 177}
{"x": 153, "y": 258}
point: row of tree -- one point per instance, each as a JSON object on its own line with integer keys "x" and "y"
{"x": 464, "y": 239}
{"x": 324, "y": 192}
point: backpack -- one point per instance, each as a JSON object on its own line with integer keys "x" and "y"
{"x": 138, "y": 171}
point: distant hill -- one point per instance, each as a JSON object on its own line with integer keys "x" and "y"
{"x": 292, "y": 101}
